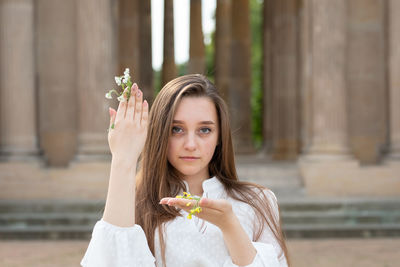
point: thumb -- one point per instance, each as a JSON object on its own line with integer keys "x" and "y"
{"x": 205, "y": 202}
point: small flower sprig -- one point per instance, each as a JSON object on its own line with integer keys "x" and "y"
{"x": 196, "y": 207}
{"x": 125, "y": 82}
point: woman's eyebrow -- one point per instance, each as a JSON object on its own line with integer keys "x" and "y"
{"x": 201, "y": 122}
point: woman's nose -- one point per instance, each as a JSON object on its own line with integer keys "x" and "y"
{"x": 190, "y": 142}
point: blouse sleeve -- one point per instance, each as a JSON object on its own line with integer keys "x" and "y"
{"x": 114, "y": 246}
{"x": 268, "y": 248}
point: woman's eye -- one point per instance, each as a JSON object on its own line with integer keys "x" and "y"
{"x": 205, "y": 130}
{"x": 176, "y": 129}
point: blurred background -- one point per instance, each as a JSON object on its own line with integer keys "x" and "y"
{"x": 313, "y": 88}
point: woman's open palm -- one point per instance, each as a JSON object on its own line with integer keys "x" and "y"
{"x": 216, "y": 211}
{"x": 128, "y": 135}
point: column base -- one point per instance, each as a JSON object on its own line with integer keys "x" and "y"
{"x": 20, "y": 156}
{"x": 337, "y": 176}
{"x": 92, "y": 147}
{"x": 314, "y": 157}
{"x": 244, "y": 148}
{"x": 91, "y": 157}
{"x": 395, "y": 157}
{"x": 285, "y": 149}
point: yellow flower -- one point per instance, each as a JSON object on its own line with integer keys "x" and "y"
{"x": 186, "y": 194}
{"x": 196, "y": 207}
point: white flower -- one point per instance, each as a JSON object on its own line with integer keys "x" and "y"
{"x": 108, "y": 95}
{"x": 125, "y": 80}
{"x": 126, "y": 72}
{"x": 121, "y": 98}
{"x": 118, "y": 80}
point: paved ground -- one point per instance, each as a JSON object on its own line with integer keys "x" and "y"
{"x": 310, "y": 253}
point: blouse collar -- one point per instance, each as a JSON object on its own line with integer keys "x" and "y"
{"x": 211, "y": 185}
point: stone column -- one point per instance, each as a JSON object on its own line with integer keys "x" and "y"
{"x": 134, "y": 31}
{"x": 267, "y": 74}
{"x": 222, "y": 55}
{"x": 197, "y": 62}
{"x": 394, "y": 78}
{"x": 366, "y": 79}
{"x": 168, "y": 66}
{"x": 240, "y": 86}
{"x": 95, "y": 75}
{"x": 305, "y": 73}
{"x": 56, "y": 61}
{"x": 285, "y": 94}
{"x": 329, "y": 103}
{"x": 146, "y": 74}
{"x": 128, "y": 37}
{"x": 18, "y": 132}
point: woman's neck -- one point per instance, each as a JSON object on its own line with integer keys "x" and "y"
{"x": 196, "y": 184}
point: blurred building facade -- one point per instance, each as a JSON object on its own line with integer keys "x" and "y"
{"x": 331, "y": 82}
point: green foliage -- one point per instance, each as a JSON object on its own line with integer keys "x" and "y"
{"x": 256, "y": 23}
{"x": 210, "y": 50}
{"x": 157, "y": 81}
{"x": 182, "y": 68}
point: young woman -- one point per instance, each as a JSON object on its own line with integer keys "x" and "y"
{"x": 186, "y": 146}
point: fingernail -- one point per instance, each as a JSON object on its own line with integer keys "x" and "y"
{"x": 134, "y": 86}
{"x": 145, "y": 103}
{"x": 138, "y": 93}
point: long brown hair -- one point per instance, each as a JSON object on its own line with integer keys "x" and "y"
{"x": 157, "y": 178}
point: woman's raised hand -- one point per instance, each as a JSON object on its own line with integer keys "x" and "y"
{"x": 128, "y": 135}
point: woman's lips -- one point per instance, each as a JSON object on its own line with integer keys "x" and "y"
{"x": 189, "y": 158}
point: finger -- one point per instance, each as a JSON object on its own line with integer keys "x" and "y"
{"x": 145, "y": 113}
{"x": 112, "y": 116}
{"x": 180, "y": 202}
{"x": 131, "y": 103}
{"x": 138, "y": 106}
{"x": 183, "y": 204}
{"x": 121, "y": 111}
{"x": 165, "y": 200}
{"x": 206, "y": 213}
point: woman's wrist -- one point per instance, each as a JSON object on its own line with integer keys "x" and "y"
{"x": 122, "y": 162}
{"x": 239, "y": 245}
{"x": 230, "y": 224}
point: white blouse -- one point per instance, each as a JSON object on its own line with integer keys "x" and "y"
{"x": 192, "y": 242}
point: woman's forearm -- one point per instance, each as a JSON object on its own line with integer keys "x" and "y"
{"x": 120, "y": 203}
{"x": 239, "y": 245}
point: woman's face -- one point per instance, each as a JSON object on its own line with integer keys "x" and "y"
{"x": 194, "y": 137}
